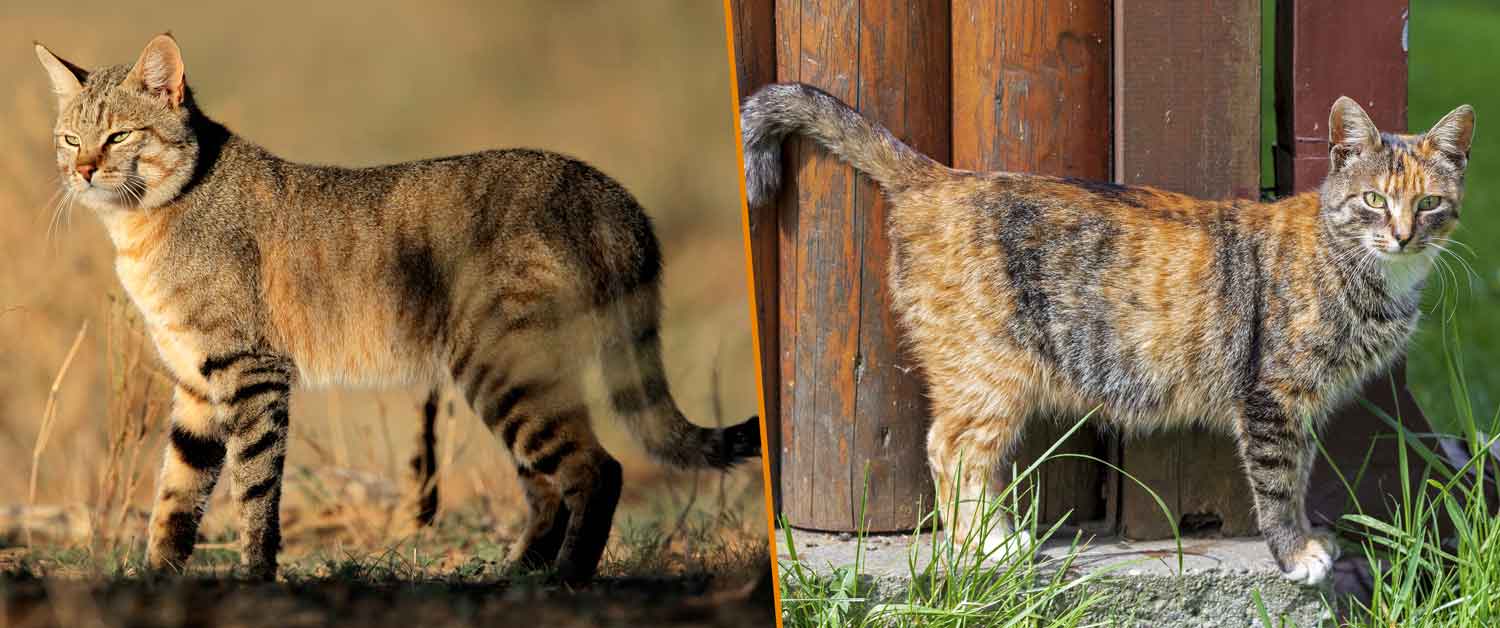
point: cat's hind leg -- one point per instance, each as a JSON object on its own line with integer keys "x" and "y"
{"x": 424, "y": 490}
{"x": 529, "y": 391}
{"x": 975, "y": 429}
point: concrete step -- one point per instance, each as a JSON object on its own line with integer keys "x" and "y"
{"x": 1141, "y": 584}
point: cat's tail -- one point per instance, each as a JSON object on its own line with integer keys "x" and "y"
{"x": 631, "y": 360}
{"x": 783, "y": 109}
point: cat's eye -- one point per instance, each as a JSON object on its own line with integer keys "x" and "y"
{"x": 70, "y": 140}
{"x": 1375, "y": 200}
{"x": 1429, "y": 203}
{"x": 116, "y": 138}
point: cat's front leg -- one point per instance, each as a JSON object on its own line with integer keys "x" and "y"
{"x": 256, "y": 390}
{"x": 190, "y": 468}
{"x": 1278, "y": 450}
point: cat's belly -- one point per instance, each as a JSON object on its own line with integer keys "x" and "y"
{"x": 347, "y": 336}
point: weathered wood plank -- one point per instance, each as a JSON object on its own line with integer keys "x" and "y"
{"x": 903, "y": 83}
{"x": 849, "y": 397}
{"x": 1031, "y": 94}
{"x": 754, "y": 31}
{"x": 1328, "y": 49}
{"x": 1187, "y": 118}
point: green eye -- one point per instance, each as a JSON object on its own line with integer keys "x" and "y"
{"x": 116, "y": 138}
{"x": 70, "y": 140}
{"x": 1429, "y": 203}
{"x": 1375, "y": 200}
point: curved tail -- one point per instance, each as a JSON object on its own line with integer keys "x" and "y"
{"x": 783, "y": 109}
{"x": 630, "y": 355}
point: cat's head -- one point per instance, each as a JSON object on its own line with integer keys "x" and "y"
{"x": 124, "y": 133}
{"x": 1396, "y": 195}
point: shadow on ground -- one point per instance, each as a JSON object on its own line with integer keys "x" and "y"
{"x": 636, "y": 601}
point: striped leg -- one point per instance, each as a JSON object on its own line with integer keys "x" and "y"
{"x": 190, "y": 468}
{"x": 1278, "y": 454}
{"x": 974, "y": 432}
{"x": 542, "y": 538}
{"x": 424, "y": 491}
{"x": 591, "y": 486}
{"x": 536, "y": 407}
{"x": 258, "y": 423}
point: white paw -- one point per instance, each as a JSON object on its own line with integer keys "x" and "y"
{"x": 1000, "y": 545}
{"x": 1312, "y": 564}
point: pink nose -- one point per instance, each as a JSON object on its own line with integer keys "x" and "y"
{"x": 86, "y": 171}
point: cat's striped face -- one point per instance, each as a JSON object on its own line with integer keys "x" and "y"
{"x": 1397, "y": 195}
{"x": 122, "y": 137}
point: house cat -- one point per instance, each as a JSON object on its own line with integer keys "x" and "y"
{"x": 508, "y": 271}
{"x": 1024, "y": 295}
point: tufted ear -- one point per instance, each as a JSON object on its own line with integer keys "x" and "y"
{"x": 1350, "y": 132}
{"x": 1453, "y": 134}
{"x": 159, "y": 72}
{"x": 67, "y": 79}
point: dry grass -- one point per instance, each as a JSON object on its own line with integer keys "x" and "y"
{"x": 641, "y": 90}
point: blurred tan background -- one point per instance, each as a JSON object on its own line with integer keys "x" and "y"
{"x": 638, "y": 89}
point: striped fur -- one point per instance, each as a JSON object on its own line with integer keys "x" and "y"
{"x": 1025, "y": 295}
{"x": 509, "y": 273}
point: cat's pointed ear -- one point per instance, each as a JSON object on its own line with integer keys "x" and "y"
{"x": 159, "y": 72}
{"x": 1453, "y": 134}
{"x": 1350, "y": 132}
{"x": 67, "y": 78}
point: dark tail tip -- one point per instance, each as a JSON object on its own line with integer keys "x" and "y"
{"x": 737, "y": 443}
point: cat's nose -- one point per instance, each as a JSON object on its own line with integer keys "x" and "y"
{"x": 86, "y": 171}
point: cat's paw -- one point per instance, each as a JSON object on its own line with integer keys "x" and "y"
{"x": 1312, "y": 563}
{"x": 1001, "y": 545}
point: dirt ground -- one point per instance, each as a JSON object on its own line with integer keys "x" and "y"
{"x": 622, "y": 601}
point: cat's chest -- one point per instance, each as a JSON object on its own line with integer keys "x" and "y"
{"x": 163, "y": 293}
{"x": 179, "y": 342}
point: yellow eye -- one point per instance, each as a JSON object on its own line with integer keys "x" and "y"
{"x": 1375, "y": 200}
{"x": 70, "y": 140}
{"x": 1429, "y": 203}
{"x": 116, "y": 138}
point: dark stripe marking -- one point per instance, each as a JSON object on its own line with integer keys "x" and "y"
{"x": 215, "y": 364}
{"x": 510, "y": 399}
{"x": 547, "y": 465}
{"x": 653, "y": 390}
{"x": 182, "y": 532}
{"x": 260, "y": 446}
{"x": 508, "y": 435}
{"x": 261, "y": 490}
{"x": 259, "y": 388}
{"x": 540, "y": 437}
{"x": 198, "y": 452}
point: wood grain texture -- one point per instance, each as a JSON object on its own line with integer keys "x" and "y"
{"x": 755, "y": 65}
{"x": 1031, "y": 94}
{"x": 852, "y": 402}
{"x": 1187, "y": 114}
{"x": 1325, "y": 50}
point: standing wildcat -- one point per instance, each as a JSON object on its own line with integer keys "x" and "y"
{"x": 1024, "y": 295}
{"x": 508, "y": 271}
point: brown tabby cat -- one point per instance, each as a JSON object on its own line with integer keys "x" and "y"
{"x": 508, "y": 271}
{"x": 1024, "y": 295}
